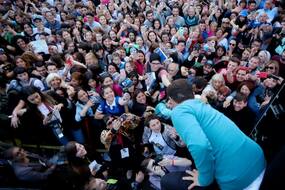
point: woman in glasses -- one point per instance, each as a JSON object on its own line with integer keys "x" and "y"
{"x": 272, "y": 68}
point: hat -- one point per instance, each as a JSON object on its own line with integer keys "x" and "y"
{"x": 45, "y": 9}
{"x": 243, "y": 13}
{"x": 37, "y": 18}
{"x": 210, "y": 63}
{"x": 225, "y": 20}
{"x": 154, "y": 57}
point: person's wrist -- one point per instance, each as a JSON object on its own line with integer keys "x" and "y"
{"x": 172, "y": 162}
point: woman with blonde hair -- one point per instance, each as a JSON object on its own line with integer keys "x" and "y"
{"x": 55, "y": 81}
{"x": 92, "y": 61}
{"x": 211, "y": 90}
{"x": 272, "y": 68}
{"x": 264, "y": 57}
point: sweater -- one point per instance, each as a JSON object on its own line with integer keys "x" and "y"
{"x": 219, "y": 149}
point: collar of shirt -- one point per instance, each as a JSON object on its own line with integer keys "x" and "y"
{"x": 113, "y": 104}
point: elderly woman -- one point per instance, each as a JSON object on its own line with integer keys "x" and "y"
{"x": 264, "y": 57}
{"x": 54, "y": 81}
{"x": 210, "y": 91}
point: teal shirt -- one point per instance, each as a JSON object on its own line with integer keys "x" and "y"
{"x": 219, "y": 149}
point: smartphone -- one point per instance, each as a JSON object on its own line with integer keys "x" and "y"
{"x": 262, "y": 75}
{"x": 181, "y": 31}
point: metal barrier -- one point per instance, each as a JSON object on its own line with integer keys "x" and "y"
{"x": 276, "y": 106}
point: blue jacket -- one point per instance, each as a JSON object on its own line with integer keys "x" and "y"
{"x": 219, "y": 149}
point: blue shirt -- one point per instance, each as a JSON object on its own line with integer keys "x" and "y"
{"x": 219, "y": 149}
{"x": 114, "y": 109}
{"x": 79, "y": 108}
{"x": 53, "y": 26}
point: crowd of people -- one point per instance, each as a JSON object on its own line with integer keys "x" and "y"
{"x": 110, "y": 74}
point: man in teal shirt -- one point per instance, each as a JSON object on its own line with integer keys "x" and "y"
{"x": 219, "y": 149}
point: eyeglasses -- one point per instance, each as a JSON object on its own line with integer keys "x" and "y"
{"x": 232, "y": 44}
{"x": 271, "y": 68}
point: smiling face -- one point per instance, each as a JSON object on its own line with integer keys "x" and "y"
{"x": 111, "y": 69}
{"x": 108, "y": 94}
{"x": 155, "y": 65}
{"x": 245, "y": 55}
{"x": 232, "y": 66}
{"x": 82, "y": 96}
{"x": 55, "y": 83}
{"x": 21, "y": 63}
{"x": 245, "y": 90}
{"x": 270, "y": 69}
{"x": 217, "y": 84}
{"x": 241, "y": 75}
{"x": 141, "y": 98}
{"x": 80, "y": 150}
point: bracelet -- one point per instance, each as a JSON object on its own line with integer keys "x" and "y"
{"x": 172, "y": 162}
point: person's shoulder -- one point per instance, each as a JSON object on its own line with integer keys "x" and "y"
{"x": 186, "y": 105}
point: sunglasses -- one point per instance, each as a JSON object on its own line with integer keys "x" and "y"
{"x": 270, "y": 68}
{"x": 232, "y": 44}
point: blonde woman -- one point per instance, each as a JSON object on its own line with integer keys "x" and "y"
{"x": 211, "y": 90}
{"x": 264, "y": 57}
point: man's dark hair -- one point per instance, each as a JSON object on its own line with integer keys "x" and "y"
{"x": 20, "y": 70}
{"x": 180, "y": 90}
{"x": 250, "y": 2}
{"x": 235, "y": 59}
{"x": 39, "y": 64}
{"x": 50, "y": 64}
{"x": 148, "y": 12}
{"x": 200, "y": 82}
{"x": 240, "y": 97}
{"x": 149, "y": 118}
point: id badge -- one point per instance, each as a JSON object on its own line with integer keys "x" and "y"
{"x": 125, "y": 153}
